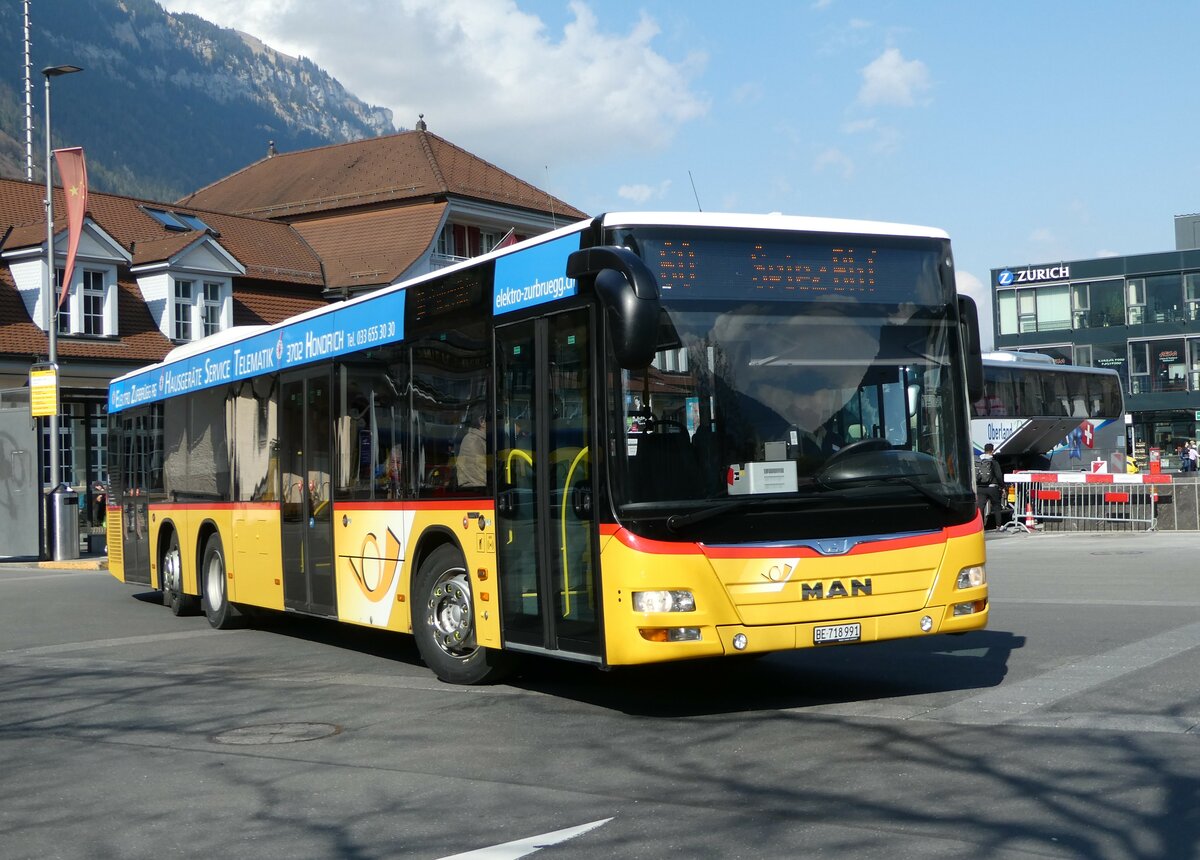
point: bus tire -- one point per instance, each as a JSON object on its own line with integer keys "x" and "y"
{"x": 444, "y": 623}
{"x": 214, "y": 587}
{"x": 170, "y": 568}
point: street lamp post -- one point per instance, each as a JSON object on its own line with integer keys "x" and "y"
{"x": 48, "y": 296}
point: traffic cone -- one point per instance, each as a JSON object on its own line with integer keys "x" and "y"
{"x": 1030, "y": 522}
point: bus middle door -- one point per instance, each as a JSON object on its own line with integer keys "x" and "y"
{"x": 545, "y": 532}
{"x": 305, "y": 464}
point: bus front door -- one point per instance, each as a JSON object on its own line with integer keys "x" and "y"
{"x": 306, "y": 515}
{"x": 545, "y": 533}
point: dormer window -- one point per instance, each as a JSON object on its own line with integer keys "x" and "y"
{"x": 91, "y": 304}
{"x": 199, "y": 307}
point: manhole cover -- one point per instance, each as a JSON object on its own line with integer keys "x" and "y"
{"x": 276, "y": 733}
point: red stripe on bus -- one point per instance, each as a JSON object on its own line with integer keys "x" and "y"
{"x": 657, "y": 547}
{"x": 456, "y": 505}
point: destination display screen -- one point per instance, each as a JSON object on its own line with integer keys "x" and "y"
{"x": 783, "y": 267}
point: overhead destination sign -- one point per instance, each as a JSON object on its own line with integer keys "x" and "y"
{"x": 349, "y": 328}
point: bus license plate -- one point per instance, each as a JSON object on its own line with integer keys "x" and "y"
{"x": 837, "y": 633}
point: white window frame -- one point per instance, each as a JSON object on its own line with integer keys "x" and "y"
{"x": 195, "y": 311}
{"x": 71, "y": 317}
{"x": 183, "y": 309}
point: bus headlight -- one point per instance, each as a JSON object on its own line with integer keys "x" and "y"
{"x": 664, "y": 601}
{"x": 971, "y": 577}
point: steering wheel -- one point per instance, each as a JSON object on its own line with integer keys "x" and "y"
{"x": 862, "y": 446}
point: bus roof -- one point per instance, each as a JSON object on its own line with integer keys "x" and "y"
{"x": 773, "y": 221}
{"x": 1039, "y": 361}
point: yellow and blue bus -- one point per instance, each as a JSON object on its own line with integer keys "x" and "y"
{"x": 641, "y": 438}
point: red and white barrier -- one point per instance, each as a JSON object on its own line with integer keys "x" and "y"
{"x": 1109, "y": 501}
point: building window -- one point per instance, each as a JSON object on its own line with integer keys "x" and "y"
{"x": 211, "y": 308}
{"x": 445, "y": 242}
{"x": 1135, "y": 301}
{"x": 1053, "y": 308}
{"x": 1164, "y": 298}
{"x": 183, "y": 311}
{"x": 1191, "y": 294}
{"x": 62, "y": 313}
{"x": 93, "y": 302}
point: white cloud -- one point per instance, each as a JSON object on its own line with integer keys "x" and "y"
{"x": 834, "y": 159}
{"x": 969, "y": 285}
{"x": 1043, "y": 236}
{"x": 641, "y": 193}
{"x": 890, "y": 80}
{"x": 487, "y": 76}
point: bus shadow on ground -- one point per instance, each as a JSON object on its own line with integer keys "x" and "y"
{"x": 783, "y": 680}
{"x": 776, "y": 681}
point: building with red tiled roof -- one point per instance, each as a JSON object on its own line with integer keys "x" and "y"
{"x": 388, "y": 208}
{"x": 282, "y": 236}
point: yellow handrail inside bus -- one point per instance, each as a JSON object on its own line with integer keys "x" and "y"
{"x": 583, "y": 452}
{"x": 516, "y": 452}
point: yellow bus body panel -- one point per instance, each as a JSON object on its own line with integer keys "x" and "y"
{"x": 375, "y": 551}
{"x": 888, "y": 587}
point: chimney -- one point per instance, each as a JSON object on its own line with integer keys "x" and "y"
{"x": 421, "y": 122}
{"x": 270, "y": 149}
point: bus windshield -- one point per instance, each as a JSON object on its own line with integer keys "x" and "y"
{"x": 777, "y": 386}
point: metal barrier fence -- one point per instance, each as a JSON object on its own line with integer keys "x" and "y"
{"x": 1107, "y": 502}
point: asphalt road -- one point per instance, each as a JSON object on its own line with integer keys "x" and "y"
{"x": 1070, "y": 728}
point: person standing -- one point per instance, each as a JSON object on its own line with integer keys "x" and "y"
{"x": 989, "y": 477}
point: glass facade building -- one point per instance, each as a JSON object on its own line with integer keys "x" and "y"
{"x": 1139, "y": 315}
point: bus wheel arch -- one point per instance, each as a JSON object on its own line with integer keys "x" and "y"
{"x": 214, "y": 585}
{"x": 170, "y": 572}
{"x": 443, "y": 617}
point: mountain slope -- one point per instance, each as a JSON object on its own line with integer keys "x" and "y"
{"x": 167, "y": 103}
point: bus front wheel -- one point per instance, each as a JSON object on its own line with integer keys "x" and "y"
{"x": 444, "y": 622}
{"x": 221, "y": 614}
{"x": 171, "y": 573}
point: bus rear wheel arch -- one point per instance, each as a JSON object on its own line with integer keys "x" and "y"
{"x": 444, "y": 622}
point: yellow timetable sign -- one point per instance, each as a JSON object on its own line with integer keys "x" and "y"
{"x": 43, "y": 390}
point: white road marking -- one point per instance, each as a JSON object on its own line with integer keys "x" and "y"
{"x": 525, "y": 847}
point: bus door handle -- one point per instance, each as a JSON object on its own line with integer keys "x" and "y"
{"x": 581, "y": 501}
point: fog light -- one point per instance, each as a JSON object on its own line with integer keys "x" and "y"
{"x": 739, "y": 642}
{"x": 664, "y": 601}
{"x": 926, "y": 623}
{"x": 971, "y": 577}
{"x": 969, "y": 608}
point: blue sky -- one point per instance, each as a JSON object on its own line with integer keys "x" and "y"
{"x": 1031, "y": 132}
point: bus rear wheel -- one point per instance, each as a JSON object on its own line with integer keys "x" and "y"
{"x": 171, "y": 573}
{"x": 221, "y": 614}
{"x": 444, "y": 623}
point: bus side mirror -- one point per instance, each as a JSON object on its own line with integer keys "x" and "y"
{"x": 968, "y": 324}
{"x": 629, "y": 293}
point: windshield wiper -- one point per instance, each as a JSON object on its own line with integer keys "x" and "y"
{"x": 677, "y": 521}
{"x": 885, "y": 480}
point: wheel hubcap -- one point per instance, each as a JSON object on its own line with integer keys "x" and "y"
{"x": 212, "y": 583}
{"x": 173, "y": 571}
{"x": 450, "y": 616}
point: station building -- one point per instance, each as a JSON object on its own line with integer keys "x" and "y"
{"x": 1137, "y": 314}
